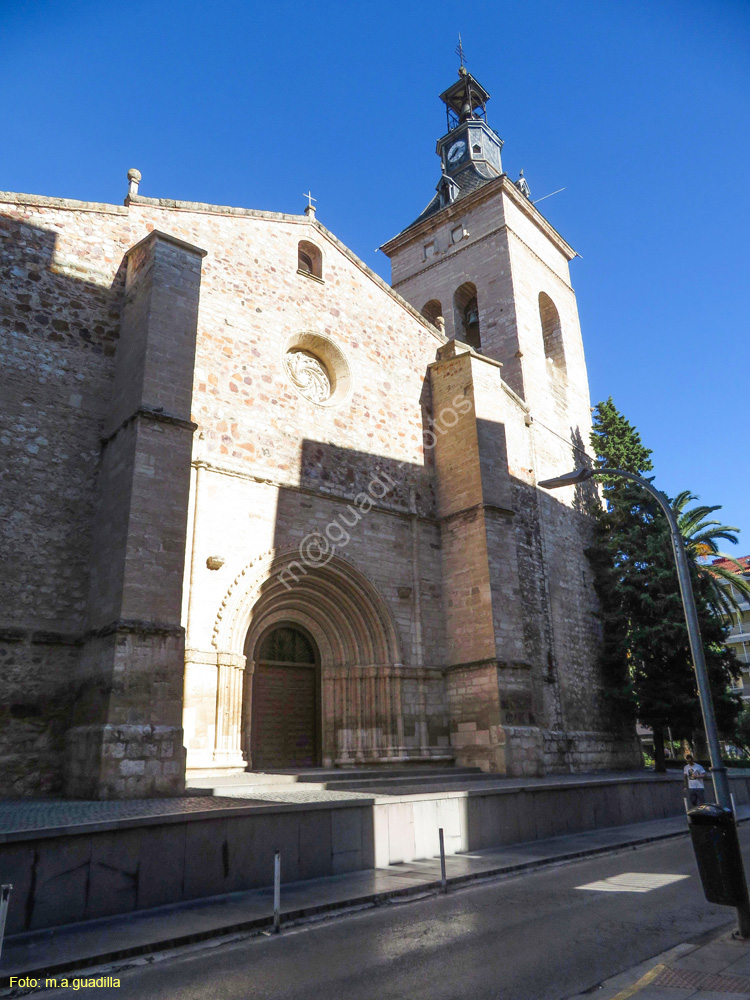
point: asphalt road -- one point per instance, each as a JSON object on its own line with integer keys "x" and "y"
{"x": 531, "y": 937}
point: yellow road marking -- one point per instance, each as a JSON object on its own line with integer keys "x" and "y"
{"x": 643, "y": 981}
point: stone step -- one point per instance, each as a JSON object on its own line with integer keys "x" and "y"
{"x": 451, "y": 782}
{"x": 378, "y": 773}
{"x": 344, "y": 779}
{"x": 242, "y": 778}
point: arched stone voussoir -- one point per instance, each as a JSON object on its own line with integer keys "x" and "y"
{"x": 341, "y": 608}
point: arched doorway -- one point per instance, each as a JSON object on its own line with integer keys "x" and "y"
{"x": 357, "y": 652}
{"x": 285, "y": 713}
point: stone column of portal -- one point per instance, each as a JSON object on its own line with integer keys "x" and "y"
{"x": 329, "y": 716}
{"x": 229, "y": 692}
{"x": 487, "y": 670}
{"x": 343, "y": 732}
{"x": 126, "y": 740}
{"x": 386, "y": 709}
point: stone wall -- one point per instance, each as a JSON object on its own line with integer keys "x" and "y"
{"x": 63, "y": 281}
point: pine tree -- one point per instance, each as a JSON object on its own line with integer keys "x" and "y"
{"x": 646, "y": 653}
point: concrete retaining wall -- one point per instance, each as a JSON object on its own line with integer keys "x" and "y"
{"x": 61, "y": 875}
{"x": 406, "y": 827}
{"x": 99, "y": 869}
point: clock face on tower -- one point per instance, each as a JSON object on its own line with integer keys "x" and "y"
{"x": 456, "y": 151}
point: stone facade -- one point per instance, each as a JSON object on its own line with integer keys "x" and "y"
{"x": 174, "y": 489}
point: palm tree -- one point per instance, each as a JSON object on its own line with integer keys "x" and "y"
{"x": 702, "y": 541}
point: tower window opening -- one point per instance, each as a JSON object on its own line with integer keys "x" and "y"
{"x": 432, "y": 311}
{"x": 466, "y": 315}
{"x": 447, "y": 190}
{"x": 554, "y": 351}
{"x": 309, "y": 259}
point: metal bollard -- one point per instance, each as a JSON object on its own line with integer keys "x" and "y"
{"x": 443, "y": 880}
{"x": 276, "y": 892}
{"x": 5, "y": 891}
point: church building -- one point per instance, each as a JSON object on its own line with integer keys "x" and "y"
{"x": 262, "y": 510}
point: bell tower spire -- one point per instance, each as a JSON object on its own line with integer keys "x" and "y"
{"x": 470, "y": 149}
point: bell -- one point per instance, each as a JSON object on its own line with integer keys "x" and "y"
{"x": 472, "y": 316}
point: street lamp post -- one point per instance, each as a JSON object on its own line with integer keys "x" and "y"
{"x": 721, "y": 782}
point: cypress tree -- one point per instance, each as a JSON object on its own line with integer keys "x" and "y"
{"x": 646, "y": 654}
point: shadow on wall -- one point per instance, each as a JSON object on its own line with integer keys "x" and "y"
{"x": 347, "y": 584}
{"x": 59, "y": 326}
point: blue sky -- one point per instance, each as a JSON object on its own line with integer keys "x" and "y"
{"x": 640, "y": 109}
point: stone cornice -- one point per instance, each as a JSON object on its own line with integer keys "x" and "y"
{"x": 491, "y": 508}
{"x": 154, "y": 414}
{"x": 66, "y": 204}
{"x": 454, "y": 251}
{"x": 457, "y": 208}
{"x": 489, "y": 662}
{"x": 134, "y": 626}
{"x": 39, "y": 637}
{"x": 157, "y": 234}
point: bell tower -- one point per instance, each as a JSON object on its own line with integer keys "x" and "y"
{"x": 487, "y": 269}
{"x": 482, "y": 263}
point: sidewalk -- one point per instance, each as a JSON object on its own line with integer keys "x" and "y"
{"x": 96, "y": 942}
{"x": 718, "y": 969}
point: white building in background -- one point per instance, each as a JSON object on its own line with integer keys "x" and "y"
{"x": 739, "y": 636}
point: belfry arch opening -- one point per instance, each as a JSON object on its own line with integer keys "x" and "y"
{"x": 554, "y": 351}
{"x": 466, "y": 315}
{"x": 432, "y": 311}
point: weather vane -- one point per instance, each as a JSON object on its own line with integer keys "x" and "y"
{"x": 460, "y": 50}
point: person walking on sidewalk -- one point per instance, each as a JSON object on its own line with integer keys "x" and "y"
{"x": 696, "y": 793}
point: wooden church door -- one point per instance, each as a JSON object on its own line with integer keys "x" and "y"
{"x": 284, "y": 719}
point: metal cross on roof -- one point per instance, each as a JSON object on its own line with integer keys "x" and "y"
{"x": 460, "y": 50}
{"x": 309, "y": 197}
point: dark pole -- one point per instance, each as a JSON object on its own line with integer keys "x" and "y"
{"x": 721, "y": 782}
